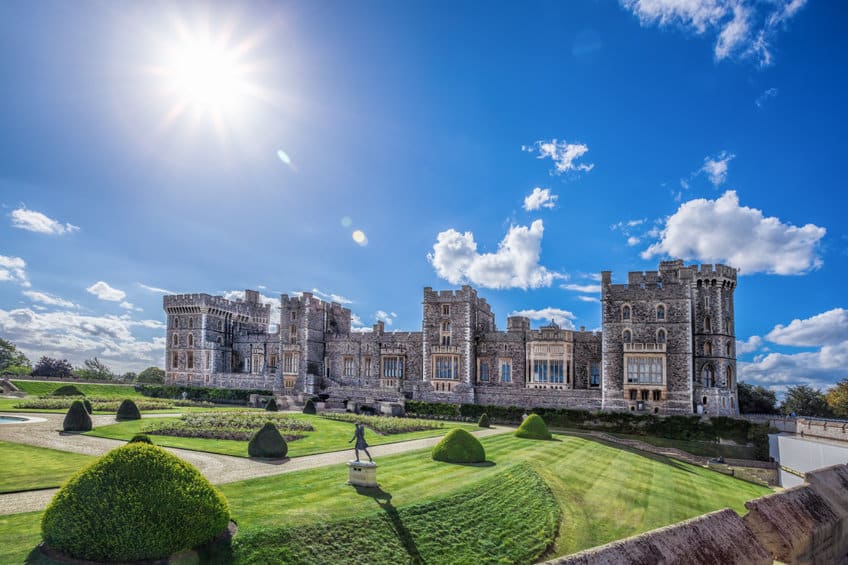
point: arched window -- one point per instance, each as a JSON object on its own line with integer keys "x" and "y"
{"x": 176, "y": 340}
{"x": 175, "y": 323}
{"x": 729, "y": 376}
{"x": 190, "y": 340}
{"x": 220, "y": 340}
{"x": 626, "y": 336}
{"x": 727, "y": 329}
{"x": 708, "y": 375}
{"x": 220, "y": 325}
{"x": 727, "y": 349}
{"x": 708, "y": 348}
{"x": 661, "y": 335}
{"x": 625, "y": 312}
{"x": 191, "y": 323}
{"x": 708, "y": 324}
{"x": 660, "y": 312}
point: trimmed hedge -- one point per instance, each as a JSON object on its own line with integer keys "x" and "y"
{"x": 88, "y": 407}
{"x": 136, "y": 502}
{"x": 309, "y": 408}
{"x": 459, "y": 446}
{"x": 272, "y": 405}
{"x": 127, "y": 411}
{"x": 268, "y": 443}
{"x": 77, "y": 419}
{"x": 140, "y": 438}
{"x": 533, "y": 427}
{"x": 201, "y": 393}
{"x": 483, "y": 422}
{"x": 67, "y": 390}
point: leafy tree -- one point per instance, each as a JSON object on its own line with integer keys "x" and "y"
{"x": 837, "y": 398}
{"x": 756, "y": 399}
{"x": 151, "y": 375}
{"x": 804, "y": 400}
{"x": 50, "y": 367}
{"x": 17, "y": 370}
{"x": 11, "y": 357}
{"x": 95, "y": 370}
{"x": 129, "y": 377}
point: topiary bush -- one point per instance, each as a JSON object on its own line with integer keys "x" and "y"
{"x": 459, "y": 446}
{"x": 87, "y": 405}
{"x": 67, "y": 390}
{"x": 140, "y": 438}
{"x": 128, "y": 411}
{"x": 77, "y": 419}
{"x": 533, "y": 427}
{"x": 272, "y": 405}
{"x": 310, "y": 407}
{"x": 483, "y": 422}
{"x": 267, "y": 443}
{"x": 136, "y": 502}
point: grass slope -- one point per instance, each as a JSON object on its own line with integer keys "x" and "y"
{"x": 40, "y": 388}
{"x": 27, "y": 468}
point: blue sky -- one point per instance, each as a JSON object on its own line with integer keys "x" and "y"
{"x": 710, "y": 130}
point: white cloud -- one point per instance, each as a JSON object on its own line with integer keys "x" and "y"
{"x": 589, "y": 299}
{"x": 562, "y": 318}
{"x": 540, "y": 198}
{"x": 716, "y": 168}
{"x": 31, "y": 220}
{"x": 562, "y": 153}
{"x": 582, "y": 287}
{"x": 633, "y": 240}
{"x": 765, "y": 97}
{"x": 828, "y": 328}
{"x": 103, "y": 291}
{"x": 386, "y": 317}
{"x": 155, "y": 289}
{"x": 742, "y": 28}
{"x": 753, "y": 343}
{"x": 50, "y": 299}
{"x": 514, "y": 265}
{"x": 331, "y": 297}
{"x": 722, "y": 231}
{"x": 129, "y": 306}
{"x": 13, "y": 269}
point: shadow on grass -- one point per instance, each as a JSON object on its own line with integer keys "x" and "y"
{"x": 384, "y": 501}
{"x": 282, "y": 461}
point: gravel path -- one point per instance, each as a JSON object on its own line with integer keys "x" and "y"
{"x": 217, "y": 468}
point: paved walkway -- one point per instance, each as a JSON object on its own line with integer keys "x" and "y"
{"x": 217, "y": 468}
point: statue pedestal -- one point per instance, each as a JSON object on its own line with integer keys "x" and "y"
{"x": 362, "y": 474}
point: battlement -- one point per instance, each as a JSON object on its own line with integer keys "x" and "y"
{"x": 671, "y": 272}
{"x": 180, "y": 303}
{"x": 465, "y": 294}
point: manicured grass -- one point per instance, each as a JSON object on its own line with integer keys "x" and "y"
{"x": 703, "y": 448}
{"x": 20, "y": 533}
{"x": 40, "y": 388}
{"x": 604, "y": 493}
{"x": 28, "y": 468}
{"x": 329, "y": 435}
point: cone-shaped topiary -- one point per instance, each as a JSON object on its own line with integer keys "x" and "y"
{"x": 310, "y": 407}
{"x": 136, "y": 502}
{"x": 140, "y": 438}
{"x": 268, "y": 443}
{"x": 533, "y": 427}
{"x": 77, "y": 418}
{"x": 88, "y": 407}
{"x": 128, "y": 411}
{"x": 483, "y": 422}
{"x": 272, "y": 405}
{"x": 458, "y": 446}
{"x": 67, "y": 390}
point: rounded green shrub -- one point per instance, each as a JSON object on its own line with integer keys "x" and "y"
{"x": 88, "y": 407}
{"x": 77, "y": 419}
{"x": 128, "y": 411}
{"x": 310, "y": 407}
{"x": 533, "y": 427}
{"x": 67, "y": 390}
{"x": 136, "y": 502}
{"x": 483, "y": 422}
{"x": 459, "y": 446}
{"x": 272, "y": 405}
{"x": 140, "y": 438}
{"x": 268, "y": 443}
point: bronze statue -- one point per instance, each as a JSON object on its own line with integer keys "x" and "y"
{"x": 359, "y": 436}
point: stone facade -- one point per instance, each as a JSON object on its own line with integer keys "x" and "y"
{"x": 666, "y": 347}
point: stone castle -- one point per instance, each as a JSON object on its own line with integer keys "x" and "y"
{"x": 667, "y": 346}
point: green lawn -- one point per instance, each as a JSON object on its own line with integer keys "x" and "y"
{"x": 603, "y": 494}
{"x": 329, "y": 435}
{"x": 28, "y": 468}
{"x": 702, "y": 448}
{"x": 41, "y": 388}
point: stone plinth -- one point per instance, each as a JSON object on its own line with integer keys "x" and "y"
{"x": 362, "y": 474}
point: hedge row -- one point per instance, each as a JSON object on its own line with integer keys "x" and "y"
{"x": 206, "y": 394}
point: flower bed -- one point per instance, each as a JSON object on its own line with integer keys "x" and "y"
{"x": 238, "y": 426}
{"x": 386, "y": 425}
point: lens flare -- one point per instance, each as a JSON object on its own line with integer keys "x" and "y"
{"x": 359, "y": 238}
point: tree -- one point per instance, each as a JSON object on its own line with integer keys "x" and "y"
{"x": 837, "y": 398}
{"x": 95, "y": 370}
{"x": 756, "y": 399}
{"x": 151, "y": 375}
{"x": 129, "y": 377}
{"x": 804, "y": 400}
{"x": 11, "y": 357}
{"x": 50, "y": 367}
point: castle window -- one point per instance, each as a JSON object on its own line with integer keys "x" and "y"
{"x": 445, "y": 333}
{"x": 657, "y": 395}
{"x": 445, "y": 309}
{"x": 366, "y": 361}
{"x": 645, "y": 394}
{"x": 594, "y": 374}
{"x": 220, "y": 340}
{"x": 393, "y": 367}
{"x": 643, "y": 369}
{"x": 727, "y": 329}
{"x": 483, "y": 371}
{"x": 660, "y": 312}
{"x": 625, "y": 312}
{"x": 190, "y": 340}
{"x": 506, "y": 370}
{"x": 632, "y": 394}
{"x": 191, "y": 323}
{"x": 556, "y": 373}
{"x": 729, "y": 376}
{"x": 220, "y": 325}
{"x": 293, "y": 315}
{"x": 290, "y": 363}
{"x": 661, "y": 337}
{"x": 708, "y": 348}
{"x": 175, "y": 361}
{"x": 706, "y": 303}
{"x": 208, "y": 361}
{"x": 540, "y": 370}
{"x": 627, "y": 337}
{"x": 348, "y": 367}
{"x": 190, "y": 360}
{"x": 446, "y": 367}
{"x": 176, "y": 340}
{"x": 273, "y": 361}
{"x": 727, "y": 349}
{"x": 708, "y": 375}
{"x": 708, "y": 324}
{"x": 175, "y": 323}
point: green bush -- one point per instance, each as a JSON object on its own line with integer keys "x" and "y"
{"x": 459, "y": 446}
{"x": 201, "y": 393}
{"x": 483, "y": 422}
{"x": 140, "y": 438}
{"x": 77, "y": 418}
{"x": 87, "y": 405}
{"x": 267, "y": 443}
{"x": 272, "y": 405}
{"x": 533, "y": 427}
{"x": 136, "y": 502}
{"x": 127, "y": 411}
{"x": 67, "y": 390}
{"x": 310, "y": 407}
{"x": 429, "y": 409}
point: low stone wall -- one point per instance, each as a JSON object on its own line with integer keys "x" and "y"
{"x": 577, "y": 399}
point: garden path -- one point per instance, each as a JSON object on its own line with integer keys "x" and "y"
{"x": 217, "y": 468}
